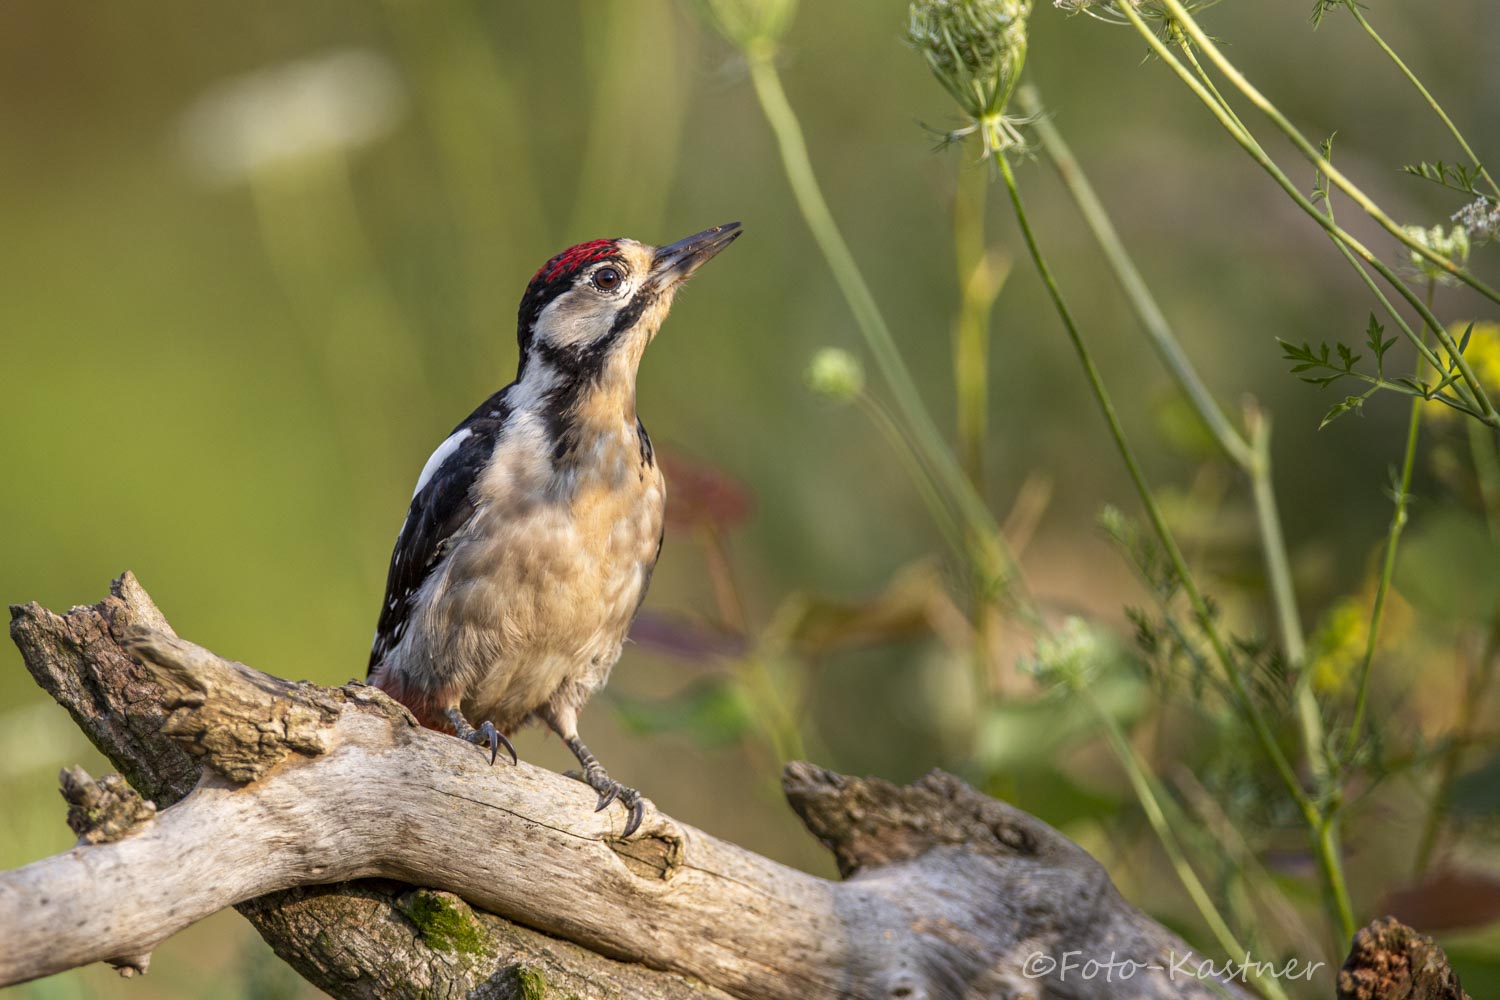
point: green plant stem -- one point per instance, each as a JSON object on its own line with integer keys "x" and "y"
{"x": 980, "y": 281}
{"x": 1423, "y": 354}
{"x": 1284, "y": 596}
{"x": 1388, "y": 566}
{"x": 1186, "y": 48}
{"x": 809, "y": 196}
{"x": 912, "y": 463}
{"x": 1246, "y": 142}
{"x": 1153, "y": 321}
{"x": 1144, "y": 787}
{"x": 1487, "y": 471}
{"x": 1278, "y": 567}
{"x": 1328, "y": 856}
{"x": 779, "y": 692}
{"x": 1432, "y": 103}
{"x": 1277, "y": 916}
{"x": 1353, "y": 261}
{"x": 1273, "y": 545}
{"x": 1254, "y": 459}
{"x": 978, "y": 289}
{"x": 1453, "y": 757}
{"x": 1184, "y": 22}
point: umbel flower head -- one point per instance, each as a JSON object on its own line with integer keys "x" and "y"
{"x": 1074, "y": 654}
{"x": 1481, "y": 219}
{"x": 975, "y": 50}
{"x": 974, "y": 47}
{"x": 1453, "y": 245}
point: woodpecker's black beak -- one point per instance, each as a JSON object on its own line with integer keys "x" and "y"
{"x": 673, "y": 264}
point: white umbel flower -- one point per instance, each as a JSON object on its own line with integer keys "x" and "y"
{"x": 292, "y": 113}
{"x": 1480, "y": 219}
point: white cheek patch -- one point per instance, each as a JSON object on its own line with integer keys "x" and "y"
{"x": 580, "y": 315}
{"x": 440, "y": 456}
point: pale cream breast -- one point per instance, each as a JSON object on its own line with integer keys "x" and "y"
{"x": 541, "y": 592}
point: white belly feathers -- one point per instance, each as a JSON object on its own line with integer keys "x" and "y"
{"x": 540, "y": 588}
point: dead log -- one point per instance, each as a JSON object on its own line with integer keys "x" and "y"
{"x": 318, "y": 811}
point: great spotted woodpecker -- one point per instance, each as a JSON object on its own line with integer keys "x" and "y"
{"x": 534, "y": 527}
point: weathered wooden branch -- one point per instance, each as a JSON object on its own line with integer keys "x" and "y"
{"x": 316, "y": 810}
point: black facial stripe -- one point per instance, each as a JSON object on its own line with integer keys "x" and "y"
{"x": 581, "y": 364}
{"x": 642, "y": 300}
{"x": 585, "y": 362}
{"x": 559, "y": 412}
{"x": 540, "y": 294}
{"x": 579, "y": 367}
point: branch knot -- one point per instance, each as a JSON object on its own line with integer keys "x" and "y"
{"x": 103, "y": 811}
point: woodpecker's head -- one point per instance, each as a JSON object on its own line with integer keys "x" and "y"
{"x": 594, "y": 307}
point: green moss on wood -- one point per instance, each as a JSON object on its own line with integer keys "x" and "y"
{"x": 445, "y": 922}
{"x": 533, "y": 986}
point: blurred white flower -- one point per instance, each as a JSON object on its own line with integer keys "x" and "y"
{"x": 1481, "y": 219}
{"x": 1454, "y": 245}
{"x": 292, "y": 113}
{"x": 1074, "y": 653}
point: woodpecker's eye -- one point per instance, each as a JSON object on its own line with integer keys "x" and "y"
{"x": 607, "y": 279}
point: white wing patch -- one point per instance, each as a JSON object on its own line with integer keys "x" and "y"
{"x": 440, "y": 456}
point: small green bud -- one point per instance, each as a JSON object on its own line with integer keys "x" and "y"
{"x": 836, "y": 374}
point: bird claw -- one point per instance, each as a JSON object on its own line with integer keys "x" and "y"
{"x": 637, "y": 813}
{"x": 609, "y": 789}
{"x": 607, "y": 796}
{"x": 488, "y": 735}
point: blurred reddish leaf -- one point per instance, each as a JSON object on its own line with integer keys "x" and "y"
{"x": 701, "y": 495}
{"x": 1449, "y": 899}
{"x": 685, "y": 638}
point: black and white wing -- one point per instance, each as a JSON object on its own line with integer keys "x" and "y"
{"x": 441, "y": 505}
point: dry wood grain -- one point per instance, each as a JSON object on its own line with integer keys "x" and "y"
{"x": 316, "y": 810}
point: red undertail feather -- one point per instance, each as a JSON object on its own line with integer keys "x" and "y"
{"x": 421, "y": 703}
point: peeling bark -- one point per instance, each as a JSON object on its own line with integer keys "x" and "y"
{"x": 1390, "y": 961}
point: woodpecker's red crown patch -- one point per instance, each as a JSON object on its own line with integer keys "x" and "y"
{"x": 573, "y": 258}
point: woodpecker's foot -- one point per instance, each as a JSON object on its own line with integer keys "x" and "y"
{"x": 608, "y": 788}
{"x": 485, "y": 736}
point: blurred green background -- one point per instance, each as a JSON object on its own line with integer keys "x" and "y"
{"x": 258, "y": 259}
